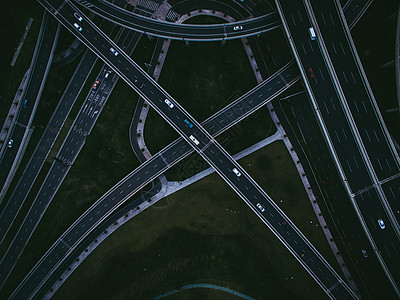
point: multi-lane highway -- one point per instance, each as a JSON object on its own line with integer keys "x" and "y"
{"x": 206, "y": 146}
{"x": 37, "y": 160}
{"x": 335, "y": 119}
{"x": 71, "y": 147}
{"x": 39, "y": 68}
{"x": 149, "y": 170}
{"x": 205, "y": 139}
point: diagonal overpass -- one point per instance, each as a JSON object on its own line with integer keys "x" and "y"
{"x": 206, "y": 146}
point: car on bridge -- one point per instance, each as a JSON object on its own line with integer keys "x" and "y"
{"x": 78, "y": 17}
{"x": 381, "y": 224}
{"x": 236, "y": 171}
{"x": 77, "y": 27}
{"x": 238, "y": 27}
{"x": 170, "y": 105}
{"x": 364, "y": 253}
{"x": 113, "y": 51}
{"x": 188, "y": 123}
{"x": 311, "y": 71}
{"x": 10, "y": 143}
{"x": 260, "y": 207}
{"x": 95, "y": 84}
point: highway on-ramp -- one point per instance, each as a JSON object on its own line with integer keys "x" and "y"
{"x": 187, "y": 32}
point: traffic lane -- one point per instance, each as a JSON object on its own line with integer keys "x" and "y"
{"x": 329, "y": 104}
{"x": 59, "y": 250}
{"x": 354, "y": 9}
{"x": 26, "y": 181}
{"x": 101, "y": 208}
{"x": 23, "y": 115}
{"x": 356, "y": 95}
{"x": 10, "y": 152}
{"x": 83, "y": 124}
{"x": 66, "y": 156}
{"x": 341, "y": 217}
{"x": 187, "y": 31}
{"x": 111, "y": 200}
{"x": 383, "y": 236}
{"x": 240, "y": 181}
{"x": 24, "y": 233}
{"x": 392, "y": 192}
{"x": 237, "y": 110}
{"x": 341, "y": 136}
{"x": 38, "y": 71}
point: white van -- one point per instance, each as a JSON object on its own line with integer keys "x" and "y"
{"x": 194, "y": 140}
{"x": 312, "y": 33}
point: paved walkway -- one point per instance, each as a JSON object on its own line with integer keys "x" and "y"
{"x": 171, "y": 187}
{"x": 18, "y": 50}
{"x": 204, "y": 285}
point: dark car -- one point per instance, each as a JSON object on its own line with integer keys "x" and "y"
{"x": 311, "y": 71}
{"x": 364, "y": 253}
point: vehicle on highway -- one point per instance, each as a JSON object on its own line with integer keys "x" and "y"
{"x": 113, "y": 51}
{"x": 107, "y": 74}
{"x": 236, "y": 171}
{"x": 238, "y": 27}
{"x": 260, "y": 207}
{"x": 364, "y": 253}
{"x": 312, "y": 33}
{"x": 95, "y": 84}
{"x": 187, "y": 122}
{"x": 381, "y": 224}
{"x": 25, "y": 103}
{"x": 194, "y": 140}
{"x": 138, "y": 83}
{"x": 10, "y": 143}
{"x": 284, "y": 223}
{"x": 170, "y": 105}
{"x": 78, "y": 17}
{"x": 311, "y": 71}
{"x": 78, "y": 27}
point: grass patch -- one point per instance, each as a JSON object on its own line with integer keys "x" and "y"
{"x": 206, "y": 234}
{"x": 210, "y": 76}
{"x": 13, "y": 22}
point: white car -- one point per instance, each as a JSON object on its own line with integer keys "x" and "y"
{"x": 170, "y": 105}
{"x": 194, "y": 140}
{"x": 260, "y": 207}
{"x": 236, "y": 171}
{"x": 113, "y": 51}
{"x": 78, "y": 17}
{"x": 238, "y": 27}
{"x": 10, "y": 143}
{"x": 78, "y": 27}
{"x": 381, "y": 224}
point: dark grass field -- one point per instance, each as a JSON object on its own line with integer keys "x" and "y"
{"x": 206, "y": 234}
